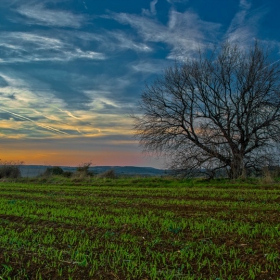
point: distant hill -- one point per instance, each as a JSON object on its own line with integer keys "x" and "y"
{"x": 35, "y": 170}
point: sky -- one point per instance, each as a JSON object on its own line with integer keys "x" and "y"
{"x": 72, "y": 71}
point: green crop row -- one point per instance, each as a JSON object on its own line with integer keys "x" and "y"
{"x": 172, "y": 230}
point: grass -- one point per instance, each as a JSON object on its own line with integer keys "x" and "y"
{"x": 139, "y": 228}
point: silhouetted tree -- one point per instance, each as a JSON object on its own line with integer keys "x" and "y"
{"x": 218, "y": 111}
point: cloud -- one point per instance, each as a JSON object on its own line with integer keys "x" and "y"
{"x": 102, "y": 100}
{"x": 244, "y": 26}
{"x": 100, "y": 103}
{"x": 113, "y": 40}
{"x": 150, "y": 66}
{"x": 68, "y": 113}
{"x": 47, "y": 127}
{"x": 245, "y": 4}
{"x": 120, "y": 40}
{"x": 38, "y": 14}
{"x": 153, "y": 6}
{"x": 177, "y": 1}
{"x": 19, "y": 108}
{"x": 152, "y": 11}
{"x": 41, "y": 113}
{"x": 27, "y": 47}
{"x": 184, "y": 33}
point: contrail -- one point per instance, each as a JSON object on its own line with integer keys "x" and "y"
{"x": 57, "y": 121}
{"x": 76, "y": 118}
{"x": 68, "y": 113}
{"x": 271, "y": 64}
{"x": 40, "y": 125}
{"x": 274, "y": 62}
{"x": 72, "y": 116}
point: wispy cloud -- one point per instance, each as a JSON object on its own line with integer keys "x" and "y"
{"x": 176, "y": 1}
{"x": 40, "y": 114}
{"x": 244, "y": 26}
{"x": 112, "y": 40}
{"x": 38, "y": 14}
{"x": 69, "y": 114}
{"x": 27, "y": 47}
{"x": 120, "y": 40}
{"x": 47, "y": 127}
{"x": 20, "y": 106}
{"x": 150, "y": 66}
{"x": 101, "y": 100}
{"x": 152, "y": 11}
{"x": 184, "y": 33}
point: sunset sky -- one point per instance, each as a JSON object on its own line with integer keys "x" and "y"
{"x": 72, "y": 71}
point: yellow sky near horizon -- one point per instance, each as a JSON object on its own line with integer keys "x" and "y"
{"x": 62, "y": 152}
{"x": 75, "y": 158}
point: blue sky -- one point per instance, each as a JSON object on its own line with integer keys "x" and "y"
{"x": 71, "y": 71}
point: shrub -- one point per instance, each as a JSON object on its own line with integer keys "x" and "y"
{"x": 109, "y": 174}
{"x": 267, "y": 177}
{"x": 83, "y": 170}
{"x": 67, "y": 174}
{"x": 10, "y": 169}
{"x": 53, "y": 170}
{"x": 274, "y": 171}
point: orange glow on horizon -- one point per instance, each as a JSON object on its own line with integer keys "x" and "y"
{"x": 74, "y": 158}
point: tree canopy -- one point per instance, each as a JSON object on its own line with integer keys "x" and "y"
{"x": 215, "y": 111}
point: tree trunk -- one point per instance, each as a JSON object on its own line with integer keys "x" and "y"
{"x": 237, "y": 167}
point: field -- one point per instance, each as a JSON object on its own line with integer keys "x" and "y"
{"x": 139, "y": 229}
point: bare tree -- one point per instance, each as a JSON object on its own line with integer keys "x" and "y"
{"x": 219, "y": 111}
